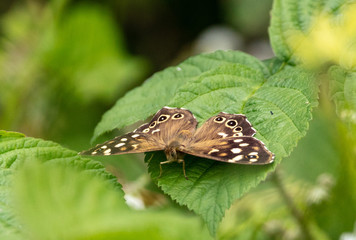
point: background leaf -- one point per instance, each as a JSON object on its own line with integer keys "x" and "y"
{"x": 289, "y": 16}
{"x": 342, "y": 92}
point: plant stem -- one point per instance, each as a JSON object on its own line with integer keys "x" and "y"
{"x": 298, "y": 215}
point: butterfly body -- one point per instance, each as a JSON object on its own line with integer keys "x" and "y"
{"x": 224, "y": 137}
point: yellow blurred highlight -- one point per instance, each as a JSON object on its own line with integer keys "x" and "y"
{"x": 330, "y": 39}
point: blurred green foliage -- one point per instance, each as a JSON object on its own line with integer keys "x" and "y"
{"x": 57, "y": 65}
{"x": 250, "y": 17}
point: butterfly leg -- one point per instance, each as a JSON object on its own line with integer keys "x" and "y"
{"x": 171, "y": 155}
{"x": 160, "y": 167}
{"x": 183, "y": 162}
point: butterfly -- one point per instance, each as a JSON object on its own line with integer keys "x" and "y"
{"x": 224, "y": 137}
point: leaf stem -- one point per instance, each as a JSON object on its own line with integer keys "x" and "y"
{"x": 297, "y": 214}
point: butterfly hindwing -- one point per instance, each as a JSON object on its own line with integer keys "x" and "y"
{"x": 228, "y": 138}
{"x": 242, "y": 150}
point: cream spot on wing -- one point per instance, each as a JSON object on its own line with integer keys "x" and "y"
{"x": 107, "y": 152}
{"x": 93, "y": 153}
{"x": 238, "y": 140}
{"x": 244, "y": 144}
{"x": 135, "y": 135}
{"x": 119, "y": 145}
{"x": 213, "y": 150}
{"x": 111, "y": 142}
{"x": 253, "y": 159}
{"x": 145, "y": 131}
{"x": 123, "y": 139}
{"x": 253, "y": 153}
{"x": 236, "y": 150}
{"x": 224, "y": 135}
{"x": 238, "y": 158}
{"x": 104, "y": 147}
{"x": 135, "y": 146}
{"x": 154, "y": 131}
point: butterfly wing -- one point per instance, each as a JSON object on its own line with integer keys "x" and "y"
{"x": 134, "y": 142}
{"x": 170, "y": 124}
{"x": 242, "y": 150}
{"x": 224, "y": 125}
{"x": 228, "y": 138}
{"x": 166, "y": 126}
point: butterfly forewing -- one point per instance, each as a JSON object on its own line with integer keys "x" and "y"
{"x": 170, "y": 124}
{"x": 242, "y": 150}
{"x": 167, "y": 125}
{"x": 224, "y": 125}
{"x": 134, "y": 142}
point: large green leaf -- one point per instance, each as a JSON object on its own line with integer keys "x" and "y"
{"x": 290, "y": 16}
{"x": 16, "y": 149}
{"x": 49, "y": 192}
{"x": 65, "y": 204}
{"x": 9, "y": 228}
{"x": 278, "y": 107}
{"x": 159, "y": 90}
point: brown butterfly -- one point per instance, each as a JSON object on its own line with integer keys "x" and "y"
{"x": 224, "y": 137}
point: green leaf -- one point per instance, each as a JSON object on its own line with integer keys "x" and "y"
{"x": 49, "y": 192}
{"x": 161, "y": 88}
{"x": 8, "y": 135}
{"x": 278, "y": 106}
{"x": 15, "y": 149}
{"x": 343, "y": 92}
{"x": 63, "y": 203}
{"x": 213, "y": 186}
{"x": 9, "y": 227}
{"x": 289, "y": 16}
